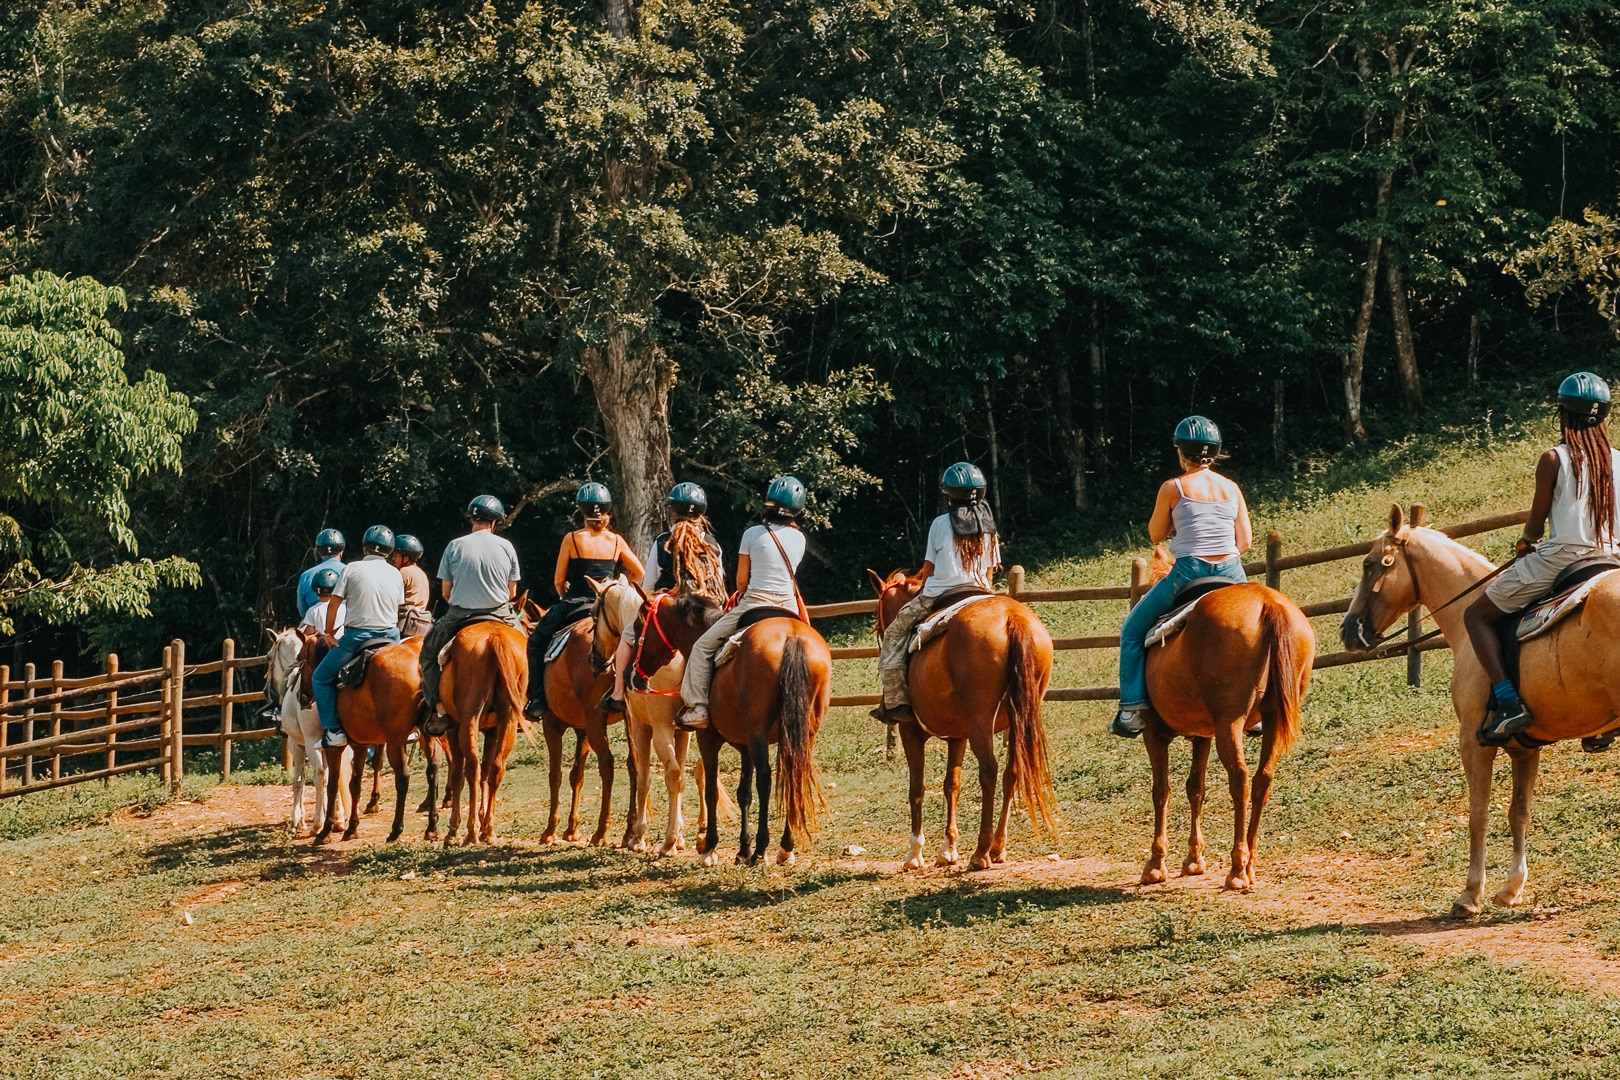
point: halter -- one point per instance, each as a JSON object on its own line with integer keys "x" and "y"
{"x": 649, "y": 621}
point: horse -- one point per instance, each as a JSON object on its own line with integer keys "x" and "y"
{"x": 985, "y": 674}
{"x": 574, "y": 687}
{"x": 300, "y": 725}
{"x": 1568, "y": 676}
{"x": 1242, "y": 657}
{"x": 775, "y": 689}
{"x": 383, "y": 711}
{"x": 485, "y": 671}
{"x": 650, "y": 723}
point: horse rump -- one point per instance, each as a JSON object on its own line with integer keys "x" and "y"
{"x": 1026, "y": 734}
{"x": 798, "y": 790}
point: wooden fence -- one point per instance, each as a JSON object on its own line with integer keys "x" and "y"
{"x": 56, "y": 731}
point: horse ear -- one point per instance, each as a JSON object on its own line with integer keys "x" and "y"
{"x": 641, "y": 592}
{"x": 596, "y": 586}
{"x": 876, "y": 580}
{"x": 270, "y": 634}
{"x": 1394, "y": 518}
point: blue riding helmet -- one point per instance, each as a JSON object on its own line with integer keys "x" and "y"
{"x": 1584, "y": 398}
{"x": 785, "y": 495}
{"x": 486, "y": 508}
{"x": 688, "y": 498}
{"x": 962, "y": 481}
{"x": 330, "y": 542}
{"x": 409, "y": 546}
{"x": 324, "y": 582}
{"x": 379, "y": 536}
{"x": 594, "y": 498}
{"x": 1198, "y": 438}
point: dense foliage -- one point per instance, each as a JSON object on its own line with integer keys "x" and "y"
{"x": 396, "y": 253}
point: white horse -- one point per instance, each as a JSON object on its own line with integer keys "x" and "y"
{"x": 303, "y": 730}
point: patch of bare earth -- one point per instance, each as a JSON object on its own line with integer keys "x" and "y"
{"x": 995, "y": 1069}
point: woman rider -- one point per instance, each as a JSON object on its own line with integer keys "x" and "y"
{"x": 767, "y": 577}
{"x": 1574, "y": 506}
{"x": 1205, "y": 518}
{"x": 667, "y": 568}
{"x": 963, "y": 552}
{"x": 594, "y": 551}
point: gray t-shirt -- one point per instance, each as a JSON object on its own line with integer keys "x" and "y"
{"x": 480, "y": 567}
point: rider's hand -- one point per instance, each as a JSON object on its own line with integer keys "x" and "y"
{"x": 330, "y": 639}
{"x": 1524, "y": 547}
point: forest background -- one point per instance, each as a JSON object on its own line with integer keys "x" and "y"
{"x": 359, "y": 260}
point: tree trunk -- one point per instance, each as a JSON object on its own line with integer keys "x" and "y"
{"x": 1278, "y": 450}
{"x": 1071, "y": 440}
{"x": 1354, "y": 360}
{"x": 1405, "y": 347}
{"x": 1473, "y": 349}
{"x": 632, "y": 383}
{"x": 995, "y": 449}
{"x": 1098, "y": 437}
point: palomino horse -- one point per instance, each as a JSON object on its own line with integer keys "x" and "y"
{"x": 1243, "y": 655}
{"x": 1568, "y": 676}
{"x": 574, "y": 687}
{"x": 775, "y": 689}
{"x": 383, "y": 711}
{"x": 650, "y": 724}
{"x": 986, "y": 673}
{"x": 284, "y": 668}
{"x": 485, "y": 671}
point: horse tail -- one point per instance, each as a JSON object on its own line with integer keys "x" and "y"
{"x": 1284, "y": 688}
{"x": 1026, "y": 734}
{"x": 511, "y": 655}
{"x": 798, "y": 787}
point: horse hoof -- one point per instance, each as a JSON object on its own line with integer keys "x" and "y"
{"x": 350, "y": 834}
{"x": 371, "y": 807}
{"x": 711, "y": 858}
{"x": 786, "y": 858}
{"x": 570, "y": 837}
{"x": 1192, "y": 868}
{"x": 946, "y": 858}
{"x": 664, "y": 849}
{"x": 431, "y": 836}
{"x": 452, "y": 840}
{"x": 549, "y": 838}
{"x": 321, "y": 838}
{"x": 1507, "y": 896}
{"x": 1463, "y": 910}
{"x": 393, "y": 836}
{"x": 979, "y": 862}
{"x": 598, "y": 840}
{"x": 1153, "y": 875}
{"x": 913, "y": 863}
{"x": 1236, "y": 882}
{"x": 998, "y": 858}
{"x": 425, "y": 806}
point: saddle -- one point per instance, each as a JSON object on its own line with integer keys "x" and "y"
{"x": 947, "y": 605}
{"x": 1184, "y": 600}
{"x": 353, "y": 671}
{"x": 474, "y": 621}
{"x": 1569, "y": 591}
{"x": 558, "y": 642}
{"x": 748, "y": 620}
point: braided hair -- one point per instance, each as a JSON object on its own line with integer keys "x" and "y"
{"x": 696, "y": 567}
{"x": 1593, "y": 465}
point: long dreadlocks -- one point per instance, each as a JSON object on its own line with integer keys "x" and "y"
{"x": 696, "y": 567}
{"x": 1593, "y": 465}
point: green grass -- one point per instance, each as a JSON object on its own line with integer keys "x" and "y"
{"x": 516, "y": 961}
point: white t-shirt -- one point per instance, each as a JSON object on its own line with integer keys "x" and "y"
{"x": 315, "y": 618}
{"x": 769, "y": 579}
{"x": 372, "y": 593}
{"x": 949, "y": 573}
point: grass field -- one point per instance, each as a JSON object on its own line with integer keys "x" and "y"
{"x": 195, "y": 938}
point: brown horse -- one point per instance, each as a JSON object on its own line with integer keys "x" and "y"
{"x": 1243, "y": 656}
{"x": 1568, "y": 675}
{"x": 986, "y": 673}
{"x": 383, "y": 711}
{"x": 485, "y": 670}
{"x": 774, "y": 690}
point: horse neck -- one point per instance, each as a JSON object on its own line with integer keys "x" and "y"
{"x": 1444, "y": 570}
{"x": 684, "y": 632}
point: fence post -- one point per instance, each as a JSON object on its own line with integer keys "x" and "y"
{"x": 166, "y": 721}
{"x": 1273, "y": 553}
{"x": 227, "y": 711}
{"x": 1418, "y": 516}
{"x": 112, "y": 715}
{"x": 28, "y": 722}
{"x": 1015, "y": 582}
{"x": 1139, "y": 577}
{"x": 5, "y": 725}
{"x": 177, "y": 706}
{"x": 56, "y": 719}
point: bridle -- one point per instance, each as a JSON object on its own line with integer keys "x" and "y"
{"x": 1387, "y": 560}
{"x": 649, "y": 621}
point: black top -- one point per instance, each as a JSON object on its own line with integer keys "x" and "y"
{"x": 579, "y": 569}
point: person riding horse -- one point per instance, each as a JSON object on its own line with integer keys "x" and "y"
{"x": 594, "y": 551}
{"x": 324, "y": 583}
{"x": 372, "y": 592}
{"x": 414, "y": 618}
{"x": 329, "y": 547}
{"x": 478, "y": 577}
{"x": 1206, "y": 519}
{"x": 1574, "y": 507}
{"x": 665, "y": 571}
{"x": 767, "y": 577}
{"x": 963, "y": 552}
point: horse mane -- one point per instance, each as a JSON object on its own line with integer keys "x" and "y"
{"x": 696, "y": 608}
{"x": 1462, "y": 550}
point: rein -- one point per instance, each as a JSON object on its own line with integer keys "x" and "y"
{"x": 1417, "y": 597}
{"x": 650, "y": 622}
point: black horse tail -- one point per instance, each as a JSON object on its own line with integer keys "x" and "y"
{"x": 798, "y": 790}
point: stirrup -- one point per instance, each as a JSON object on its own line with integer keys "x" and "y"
{"x": 1597, "y": 744}
{"x": 1128, "y": 724}
{"x": 610, "y": 704}
{"x": 535, "y": 708}
{"x": 1502, "y": 721}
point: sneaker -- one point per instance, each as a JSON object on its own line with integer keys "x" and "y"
{"x": 1128, "y": 723}
{"x": 693, "y": 718}
{"x": 535, "y": 709}
{"x": 1503, "y": 720}
{"x": 1597, "y": 744}
{"x": 334, "y": 739}
{"x": 610, "y": 704}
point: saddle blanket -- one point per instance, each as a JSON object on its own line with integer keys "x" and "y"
{"x": 933, "y": 626}
{"x": 750, "y": 619}
{"x": 1166, "y": 628}
{"x": 444, "y": 650}
{"x": 1543, "y": 617}
{"x": 558, "y": 642}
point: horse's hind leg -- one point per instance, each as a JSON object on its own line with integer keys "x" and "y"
{"x": 402, "y": 785}
{"x": 576, "y": 782}
{"x": 636, "y": 760}
{"x": 954, "y": 751}
{"x": 1157, "y": 738}
{"x": 760, "y": 751}
{"x": 674, "y": 765}
{"x": 1477, "y": 762}
{"x": 983, "y": 744}
{"x": 914, "y": 740}
{"x": 1261, "y": 786}
{"x": 431, "y": 754}
{"x": 598, "y": 737}
{"x": 295, "y": 747}
{"x": 357, "y": 779}
{"x": 497, "y": 748}
{"x": 745, "y": 798}
{"x": 331, "y": 756}
{"x": 1195, "y": 802}
{"x": 1526, "y": 764}
{"x": 1229, "y": 745}
{"x": 709, "y": 752}
{"x": 553, "y": 729}
{"x": 1009, "y": 784}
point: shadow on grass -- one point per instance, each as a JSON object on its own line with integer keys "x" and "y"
{"x": 224, "y": 847}
{"x": 966, "y": 905}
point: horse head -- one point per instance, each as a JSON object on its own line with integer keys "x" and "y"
{"x": 618, "y": 604}
{"x": 529, "y": 612}
{"x": 671, "y": 623}
{"x": 893, "y": 592}
{"x": 1387, "y": 589}
{"x": 281, "y": 657}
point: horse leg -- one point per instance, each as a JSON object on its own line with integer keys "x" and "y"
{"x": 497, "y": 748}
{"x": 683, "y": 740}
{"x": 1195, "y": 801}
{"x": 1526, "y": 764}
{"x": 954, "y": 751}
{"x": 635, "y": 815}
{"x": 745, "y": 798}
{"x": 914, "y": 740}
{"x": 375, "y": 754}
{"x": 1009, "y": 784}
{"x": 471, "y": 773}
{"x": 674, "y": 764}
{"x": 402, "y": 785}
{"x": 1261, "y": 787}
{"x": 1478, "y": 762}
{"x": 983, "y": 744}
{"x": 331, "y": 757}
{"x": 552, "y": 729}
{"x": 1229, "y": 745}
{"x": 597, "y": 734}
{"x": 1157, "y": 738}
{"x": 709, "y": 751}
{"x": 430, "y": 754}
{"x": 295, "y": 747}
{"x": 357, "y": 780}
{"x": 576, "y": 783}
{"x": 760, "y": 751}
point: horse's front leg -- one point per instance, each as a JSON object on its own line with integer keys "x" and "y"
{"x": 1157, "y": 738}
{"x": 1526, "y": 764}
{"x": 954, "y": 750}
{"x": 552, "y": 729}
{"x": 709, "y": 751}
{"x": 983, "y": 744}
{"x": 497, "y": 749}
{"x": 576, "y": 783}
{"x": 674, "y": 766}
{"x": 745, "y": 801}
{"x": 430, "y": 754}
{"x": 914, "y": 740}
{"x": 1195, "y": 801}
{"x": 332, "y": 757}
{"x": 402, "y": 785}
{"x": 375, "y": 756}
{"x": 760, "y": 751}
{"x": 1229, "y": 745}
{"x": 1477, "y": 762}
{"x": 295, "y": 748}
{"x": 597, "y": 735}
{"x": 357, "y": 780}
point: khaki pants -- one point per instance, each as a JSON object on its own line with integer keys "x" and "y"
{"x": 700, "y": 665}
{"x": 893, "y": 659}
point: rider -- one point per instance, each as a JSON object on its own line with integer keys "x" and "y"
{"x": 1574, "y": 507}
{"x": 767, "y": 564}
{"x": 1209, "y": 518}
{"x": 595, "y": 551}
{"x": 414, "y": 618}
{"x": 324, "y": 583}
{"x": 687, "y": 502}
{"x": 963, "y": 551}
{"x": 371, "y": 591}
{"x": 329, "y": 546}
{"x": 478, "y": 576}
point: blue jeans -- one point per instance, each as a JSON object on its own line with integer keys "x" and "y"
{"x": 324, "y": 681}
{"x": 1149, "y": 610}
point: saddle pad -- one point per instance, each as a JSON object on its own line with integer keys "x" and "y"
{"x": 933, "y": 626}
{"x": 353, "y": 671}
{"x": 1543, "y": 617}
{"x": 1187, "y": 598}
{"x": 444, "y": 650}
{"x": 748, "y": 622}
{"x": 1166, "y": 628}
{"x": 558, "y": 642}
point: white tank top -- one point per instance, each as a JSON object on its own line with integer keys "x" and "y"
{"x": 1569, "y": 521}
{"x": 1204, "y": 530}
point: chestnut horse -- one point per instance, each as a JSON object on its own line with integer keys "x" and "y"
{"x": 383, "y": 711}
{"x": 775, "y": 689}
{"x": 986, "y": 673}
{"x": 485, "y": 672}
{"x": 1568, "y": 676}
{"x": 1242, "y": 656}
